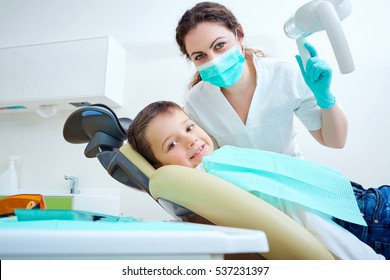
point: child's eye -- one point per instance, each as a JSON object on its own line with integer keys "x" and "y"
{"x": 190, "y": 127}
{"x": 172, "y": 145}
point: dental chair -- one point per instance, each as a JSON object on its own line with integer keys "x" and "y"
{"x": 184, "y": 191}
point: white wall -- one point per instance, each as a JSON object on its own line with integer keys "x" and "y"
{"x": 156, "y": 70}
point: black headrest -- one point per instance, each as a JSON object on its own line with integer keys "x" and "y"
{"x": 98, "y": 126}
{"x": 105, "y": 133}
{"x": 82, "y": 124}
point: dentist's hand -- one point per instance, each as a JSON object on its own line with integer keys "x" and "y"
{"x": 318, "y": 77}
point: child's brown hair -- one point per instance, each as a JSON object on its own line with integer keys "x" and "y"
{"x": 137, "y": 129}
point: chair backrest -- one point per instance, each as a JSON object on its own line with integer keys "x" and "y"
{"x": 135, "y": 166}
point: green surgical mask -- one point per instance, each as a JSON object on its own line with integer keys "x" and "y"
{"x": 224, "y": 70}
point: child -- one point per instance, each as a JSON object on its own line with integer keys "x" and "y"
{"x": 164, "y": 135}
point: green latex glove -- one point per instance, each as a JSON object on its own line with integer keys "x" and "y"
{"x": 318, "y": 77}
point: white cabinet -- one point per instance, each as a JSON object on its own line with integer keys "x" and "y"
{"x": 63, "y": 74}
{"x": 12, "y": 71}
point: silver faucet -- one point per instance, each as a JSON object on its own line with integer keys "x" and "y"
{"x": 74, "y": 184}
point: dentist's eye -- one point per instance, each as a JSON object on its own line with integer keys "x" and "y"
{"x": 172, "y": 145}
{"x": 199, "y": 57}
{"x": 219, "y": 45}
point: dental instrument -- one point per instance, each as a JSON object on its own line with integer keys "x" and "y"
{"x": 318, "y": 15}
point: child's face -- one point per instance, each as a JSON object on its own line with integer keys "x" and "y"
{"x": 176, "y": 140}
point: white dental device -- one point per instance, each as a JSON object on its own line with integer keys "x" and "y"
{"x": 321, "y": 15}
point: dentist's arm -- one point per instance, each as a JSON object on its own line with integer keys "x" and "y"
{"x": 318, "y": 76}
{"x": 334, "y": 128}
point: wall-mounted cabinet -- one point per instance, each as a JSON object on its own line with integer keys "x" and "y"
{"x": 63, "y": 74}
{"x": 12, "y": 72}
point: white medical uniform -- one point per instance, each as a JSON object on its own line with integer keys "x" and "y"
{"x": 280, "y": 93}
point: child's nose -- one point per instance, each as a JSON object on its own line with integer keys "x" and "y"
{"x": 192, "y": 141}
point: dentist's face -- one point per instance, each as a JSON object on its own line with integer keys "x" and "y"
{"x": 176, "y": 140}
{"x": 207, "y": 41}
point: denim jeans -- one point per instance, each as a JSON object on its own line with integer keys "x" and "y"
{"x": 374, "y": 204}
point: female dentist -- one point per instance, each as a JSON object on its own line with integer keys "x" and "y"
{"x": 241, "y": 98}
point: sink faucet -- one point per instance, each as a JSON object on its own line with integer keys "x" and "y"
{"x": 74, "y": 183}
